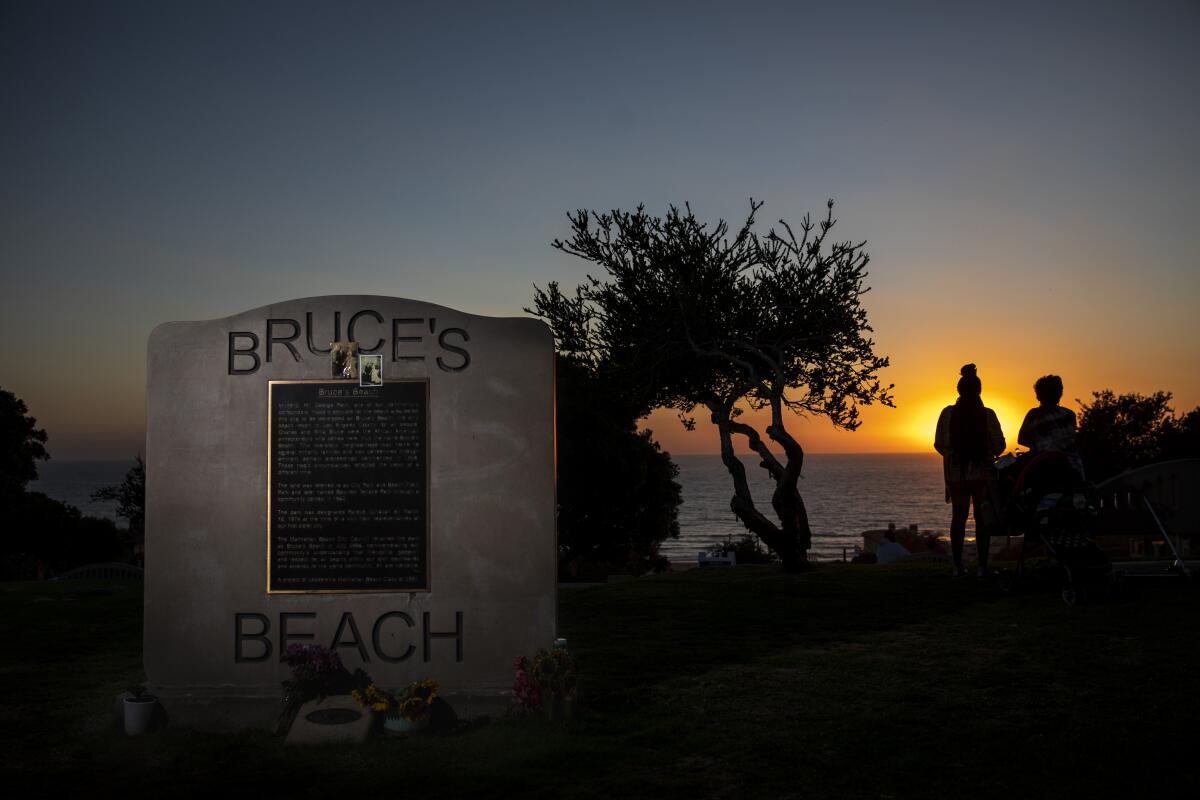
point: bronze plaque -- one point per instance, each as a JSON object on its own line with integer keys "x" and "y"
{"x": 348, "y": 487}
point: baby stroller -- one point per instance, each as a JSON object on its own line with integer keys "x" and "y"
{"x": 1044, "y": 499}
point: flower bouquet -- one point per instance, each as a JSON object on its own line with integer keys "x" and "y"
{"x": 405, "y": 714}
{"x": 316, "y": 670}
{"x": 372, "y": 698}
{"x": 317, "y": 673}
{"x": 548, "y": 682}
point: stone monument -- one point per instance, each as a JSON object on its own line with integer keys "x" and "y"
{"x": 407, "y": 525}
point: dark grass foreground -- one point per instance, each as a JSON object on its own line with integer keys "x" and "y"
{"x": 844, "y": 682}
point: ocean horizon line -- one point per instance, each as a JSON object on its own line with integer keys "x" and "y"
{"x": 873, "y": 453}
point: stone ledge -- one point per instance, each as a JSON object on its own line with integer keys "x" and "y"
{"x": 226, "y": 709}
{"x": 306, "y": 731}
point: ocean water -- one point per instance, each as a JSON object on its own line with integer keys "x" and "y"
{"x": 845, "y": 495}
{"x": 74, "y": 481}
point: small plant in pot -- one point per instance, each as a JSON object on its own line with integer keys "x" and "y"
{"x": 140, "y": 708}
{"x": 408, "y": 713}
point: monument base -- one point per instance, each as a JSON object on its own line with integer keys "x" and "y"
{"x": 310, "y": 728}
{"x": 223, "y": 708}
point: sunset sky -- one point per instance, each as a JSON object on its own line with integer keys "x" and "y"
{"x": 1026, "y": 175}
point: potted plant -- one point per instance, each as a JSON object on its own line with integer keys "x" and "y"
{"x": 414, "y": 709}
{"x": 370, "y": 697}
{"x": 139, "y": 710}
{"x": 408, "y": 713}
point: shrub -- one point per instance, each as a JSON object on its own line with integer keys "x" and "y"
{"x": 747, "y": 548}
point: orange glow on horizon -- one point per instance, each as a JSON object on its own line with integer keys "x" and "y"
{"x": 920, "y": 423}
{"x": 909, "y": 428}
{"x": 927, "y": 351}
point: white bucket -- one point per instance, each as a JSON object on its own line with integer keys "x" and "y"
{"x": 139, "y": 715}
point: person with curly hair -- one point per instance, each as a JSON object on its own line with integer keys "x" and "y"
{"x": 1049, "y": 426}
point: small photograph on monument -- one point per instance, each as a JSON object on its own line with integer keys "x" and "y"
{"x": 370, "y": 370}
{"x": 344, "y": 358}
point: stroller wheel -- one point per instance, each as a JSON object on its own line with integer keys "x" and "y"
{"x": 1113, "y": 585}
{"x": 1074, "y": 593}
{"x": 1005, "y": 581}
{"x": 1072, "y": 588}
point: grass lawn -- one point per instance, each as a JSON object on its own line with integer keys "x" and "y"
{"x": 843, "y": 682}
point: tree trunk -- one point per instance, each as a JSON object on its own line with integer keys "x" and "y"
{"x": 790, "y": 542}
{"x": 788, "y": 504}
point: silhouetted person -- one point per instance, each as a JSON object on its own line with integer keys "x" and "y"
{"x": 889, "y": 549}
{"x": 1050, "y": 427}
{"x": 968, "y": 438}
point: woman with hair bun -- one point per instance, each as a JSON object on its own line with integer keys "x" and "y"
{"x": 968, "y": 438}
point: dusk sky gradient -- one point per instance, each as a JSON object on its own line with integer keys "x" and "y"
{"x": 1026, "y": 175}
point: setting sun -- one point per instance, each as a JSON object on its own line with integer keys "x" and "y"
{"x": 920, "y": 419}
{"x": 907, "y": 428}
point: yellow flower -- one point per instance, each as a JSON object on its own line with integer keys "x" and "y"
{"x": 425, "y": 689}
{"x": 373, "y": 698}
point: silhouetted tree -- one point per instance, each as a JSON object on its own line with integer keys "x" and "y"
{"x": 691, "y": 318}
{"x": 40, "y": 533}
{"x": 617, "y": 496}
{"x": 1121, "y": 432}
{"x": 58, "y": 535}
{"x": 22, "y": 445}
{"x": 1181, "y": 436}
{"x": 130, "y": 497}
